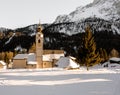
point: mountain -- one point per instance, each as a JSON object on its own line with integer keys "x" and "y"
{"x": 67, "y": 31}
{"x": 104, "y": 9}
{"x": 2, "y": 29}
{"x": 65, "y": 36}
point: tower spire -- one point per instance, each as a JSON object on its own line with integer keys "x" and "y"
{"x": 39, "y": 23}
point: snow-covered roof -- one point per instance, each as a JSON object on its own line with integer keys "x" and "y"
{"x": 2, "y": 62}
{"x": 114, "y": 59}
{"x": 64, "y": 62}
{"x": 31, "y": 59}
{"x": 50, "y": 57}
{"x": 72, "y": 57}
{"x": 21, "y": 56}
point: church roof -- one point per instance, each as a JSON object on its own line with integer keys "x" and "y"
{"x": 21, "y": 56}
{"x": 67, "y": 62}
{"x": 31, "y": 58}
{"x": 48, "y": 55}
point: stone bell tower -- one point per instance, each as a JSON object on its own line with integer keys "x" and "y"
{"x": 39, "y": 47}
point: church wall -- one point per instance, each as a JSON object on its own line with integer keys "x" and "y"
{"x": 54, "y": 62}
{"x": 47, "y": 64}
{"x": 19, "y": 63}
{"x": 53, "y": 52}
{"x": 31, "y": 66}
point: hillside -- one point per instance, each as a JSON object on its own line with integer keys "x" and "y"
{"x": 66, "y": 33}
{"x": 66, "y": 36}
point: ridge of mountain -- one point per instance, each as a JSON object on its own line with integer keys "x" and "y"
{"x": 104, "y": 9}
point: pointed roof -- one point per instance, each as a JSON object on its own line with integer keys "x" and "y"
{"x": 21, "y": 56}
{"x": 66, "y": 62}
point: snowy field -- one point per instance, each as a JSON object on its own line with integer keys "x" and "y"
{"x": 102, "y": 81}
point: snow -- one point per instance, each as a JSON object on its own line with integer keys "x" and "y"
{"x": 10, "y": 39}
{"x": 105, "y": 9}
{"x": 55, "y": 81}
{"x": 115, "y": 59}
{"x": 18, "y": 48}
{"x": 21, "y": 56}
{"x": 50, "y": 57}
{"x": 31, "y": 59}
{"x": 115, "y": 29}
{"x": 47, "y": 39}
{"x": 33, "y": 34}
{"x": 65, "y": 62}
{"x": 3, "y": 63}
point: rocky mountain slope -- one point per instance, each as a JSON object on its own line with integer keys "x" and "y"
{"x": 104, "y": 9}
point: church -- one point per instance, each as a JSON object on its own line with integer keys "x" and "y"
{"x": 41, "y": 58}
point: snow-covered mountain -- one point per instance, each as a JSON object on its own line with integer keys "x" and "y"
{"x": 67, "y": 31}
{"x": 105, "y": 9}
{"x": 3, "y": 29}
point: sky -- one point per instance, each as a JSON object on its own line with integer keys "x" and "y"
{"x": 20, "y": 13}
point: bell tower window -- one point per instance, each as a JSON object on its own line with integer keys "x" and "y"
{"x": 39, "y": 41}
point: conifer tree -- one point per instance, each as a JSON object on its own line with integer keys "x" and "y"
{"x": 106, "y": 57}
{"x": 33, "y": 48}
{"x": 103, "y": 55}
{"x": 7, "y": 57}
{"x": 87, "y": 54}
{"x": 114, "y": 53}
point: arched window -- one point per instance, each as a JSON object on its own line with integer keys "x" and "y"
{"x": 39, "y": 41}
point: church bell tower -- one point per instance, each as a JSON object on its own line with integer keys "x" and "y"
{"x": 39, "y": 47}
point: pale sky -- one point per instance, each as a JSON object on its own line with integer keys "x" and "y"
{"x": 20, "y": 13}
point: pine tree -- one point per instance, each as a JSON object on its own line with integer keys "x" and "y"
{"x": 33, "y": 48}
{"x": 114, "y": 53}
{"x": 7, "y": 57}
{"x": 87, "y": 54}
{"x": 103, "y": 55}
{"x": 106, "y": 57}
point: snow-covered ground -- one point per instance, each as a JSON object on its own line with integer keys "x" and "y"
{"x": 102, "y": 81}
